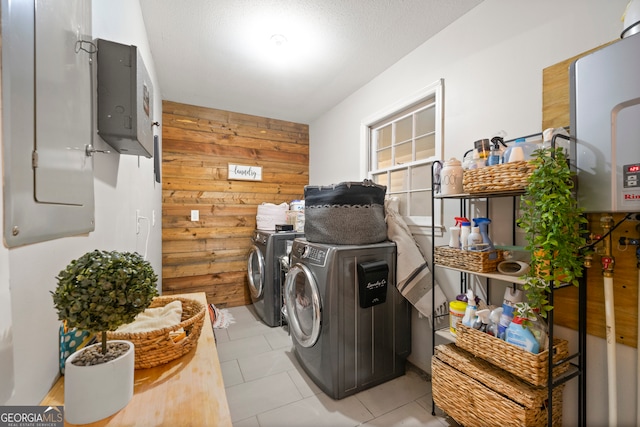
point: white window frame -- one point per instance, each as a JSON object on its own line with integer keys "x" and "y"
{"x": 434, "y": 90}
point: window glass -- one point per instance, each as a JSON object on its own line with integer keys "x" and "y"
{"x": 403, "y": 143}
{"x": 384, "y": 158}
{"x": 404, "y": 129}
{"x": 426, "y": 147}
{"x": 383, "y": 137}
{"x": 404, "y": 153}
{"x": 425, "y": 121}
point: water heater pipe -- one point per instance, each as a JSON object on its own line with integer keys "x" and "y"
{"x": 610, "y": 321}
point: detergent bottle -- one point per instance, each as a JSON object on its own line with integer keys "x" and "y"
{"x": 521, "y": 336}
{"x": 483, "y": 225}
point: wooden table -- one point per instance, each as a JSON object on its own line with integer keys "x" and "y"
{"x": 188, "y": 391}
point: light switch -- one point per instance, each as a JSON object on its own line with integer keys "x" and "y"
{"x": 195, "y": 215}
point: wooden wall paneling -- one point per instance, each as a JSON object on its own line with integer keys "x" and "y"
{"x": 556, "y": 113}
{"x": 555, "y": 92}
{"x": 625, "y": 283}
{"x": 210, "y": 255}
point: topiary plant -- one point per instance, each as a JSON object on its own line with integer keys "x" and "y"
{"x": 102, "y": 290}
{"x": 551, "y": 220}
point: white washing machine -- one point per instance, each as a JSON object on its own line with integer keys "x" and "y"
{"x": 265, "y": 272}
{"x": 350, "y": 326}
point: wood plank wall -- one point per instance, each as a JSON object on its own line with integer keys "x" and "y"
{"x": 556, "y": 113}
{"x": 210, "y": 255}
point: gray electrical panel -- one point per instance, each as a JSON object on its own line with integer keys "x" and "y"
{"x": 47, "y": 132}
{"x": 125, "y": 99}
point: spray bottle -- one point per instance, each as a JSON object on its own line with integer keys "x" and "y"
{"x": 470, "y": 313}
{"x": 482, "y": 321}
{"x": 512, "y": 296}
{"x": 483, "y": 225}
{"x": 454, "y": 238}
{"x": 494, "y": 320}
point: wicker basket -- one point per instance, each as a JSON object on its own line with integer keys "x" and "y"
{"x": 476, "y": 393}
{"x": 467, "y": 260}
{"x": 490, "y": 179}
{"x": 161, "y": 346}
{"x": 532, "y": 368}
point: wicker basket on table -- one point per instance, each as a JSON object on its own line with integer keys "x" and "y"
{"x": 491, "y": 179}
{"x": 161, "y": 346}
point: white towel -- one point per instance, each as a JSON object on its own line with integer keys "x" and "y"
{"x": 155, "y": 318}
{"x": 413, "y": 276}
{"x": 269, "y": 215}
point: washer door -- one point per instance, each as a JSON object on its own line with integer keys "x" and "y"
{"x": 255, "y": 271}
{"x": 302, "y": 299}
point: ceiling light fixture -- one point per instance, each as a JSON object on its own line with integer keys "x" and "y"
{"x": 278, "y": 40}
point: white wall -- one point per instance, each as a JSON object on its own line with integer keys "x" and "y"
{"x": 491, "y": 61}
{"x": 123, "y": 184}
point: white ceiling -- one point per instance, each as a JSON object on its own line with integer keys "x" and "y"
{"x": 216, "y": 53}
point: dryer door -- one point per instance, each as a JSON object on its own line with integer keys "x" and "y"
{"x": 255, "y": 271}
{"x": 302, "y": 299}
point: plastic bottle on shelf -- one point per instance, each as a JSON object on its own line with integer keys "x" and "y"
{"x": 495, "y": 155}
{"x": 482, "y": 321}
{"x": 479, "y": 161}
{"x": 494, "y": 320}
{"x": 520, "y": 150}
{"x": 483, "y": 225}
{"x": 521, "y": 336}
{"x": 465, "y": 230}
{"x": 512, "y": 296}
{"x": 539, "y": 329}
{"x": 475, "y": 239}
{"x": 454, "y": 239}
{"x": 470, "y": 313}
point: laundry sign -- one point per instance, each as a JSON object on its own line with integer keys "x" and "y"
{"x": 245, "y": 173}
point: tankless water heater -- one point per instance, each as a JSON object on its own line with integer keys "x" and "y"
{"x": 605, "y": 119}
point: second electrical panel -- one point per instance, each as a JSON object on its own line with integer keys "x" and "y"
{"x": 125, "y": 99}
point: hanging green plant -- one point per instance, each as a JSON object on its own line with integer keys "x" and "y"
{"x": 551, "y": 220}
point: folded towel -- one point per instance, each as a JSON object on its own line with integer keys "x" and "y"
{"x": 413, "y": 276}
{"x": 155, "y": 318}
{"x": 269, "y": 215}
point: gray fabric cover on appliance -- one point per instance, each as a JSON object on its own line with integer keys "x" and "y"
{"x": 348, "y": 213}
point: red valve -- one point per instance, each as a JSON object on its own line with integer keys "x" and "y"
{"x": 607, "y": 262}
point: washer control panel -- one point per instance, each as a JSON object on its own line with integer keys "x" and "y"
{"x": 312, "y": 254}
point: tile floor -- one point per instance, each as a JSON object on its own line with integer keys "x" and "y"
{"x": 266, "y": 387}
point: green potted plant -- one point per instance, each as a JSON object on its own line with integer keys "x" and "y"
{"x": 98, "y": 292}
{"x": 551, "y": 220}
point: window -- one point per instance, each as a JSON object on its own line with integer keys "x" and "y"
{"x": 402, "y": 143}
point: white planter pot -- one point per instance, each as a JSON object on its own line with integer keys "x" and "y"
{"x": 92, "y": 393}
